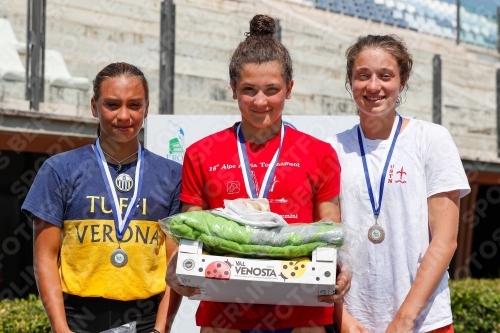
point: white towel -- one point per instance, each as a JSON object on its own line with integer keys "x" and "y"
{"x": 251, "y": 212}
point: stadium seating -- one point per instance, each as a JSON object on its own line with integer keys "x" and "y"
{"x": 435, "y": 17}
{"x": 12, "y": 68}
{"x": 58, "y": 75}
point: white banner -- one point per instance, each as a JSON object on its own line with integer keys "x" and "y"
{"x": 170, "y": 135}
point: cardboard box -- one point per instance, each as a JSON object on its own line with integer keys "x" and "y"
{"x": 257, "y": 281}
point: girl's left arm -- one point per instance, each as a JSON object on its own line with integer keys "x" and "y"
{"x": 443, "y": 225}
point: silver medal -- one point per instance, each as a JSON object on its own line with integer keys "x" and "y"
{"x": 119, "y": 258}
{"x": 376, "y": 234}
{"x": 124, "y": 182}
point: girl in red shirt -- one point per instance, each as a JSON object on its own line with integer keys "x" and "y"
{"x": 261, "y": 157}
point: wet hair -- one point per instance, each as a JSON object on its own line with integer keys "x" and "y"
{"x": 392, "y": 44}
{"x": 115, "y": 70}
{"x": 260, "y": 46}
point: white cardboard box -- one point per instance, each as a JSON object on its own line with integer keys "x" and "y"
{"x": 257, "y": 281}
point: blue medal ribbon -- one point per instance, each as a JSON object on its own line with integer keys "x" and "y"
{"x": 376, "y": 210}
{"x": 121, "y": 224}
{"x": 245, "y": 165}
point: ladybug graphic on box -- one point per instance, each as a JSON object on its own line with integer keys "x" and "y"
{"x": 218, "y": 270}
{"x": 293, "y": 268}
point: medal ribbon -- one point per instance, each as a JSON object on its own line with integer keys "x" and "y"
{"x": 394, "y": 134}
{"x": 121, "y": 223}
{"x": 245, "y": 166}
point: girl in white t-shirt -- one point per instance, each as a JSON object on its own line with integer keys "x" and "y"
{"x": 401, "y": 182}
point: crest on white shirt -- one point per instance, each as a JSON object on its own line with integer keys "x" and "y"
{"x": 398, "y": 176}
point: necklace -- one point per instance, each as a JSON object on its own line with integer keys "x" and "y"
{"x": 119, "y": 162}
{"x": 376, "y": 233}
{"x": 245, "y": 165}
{"x": 119, "y": 257}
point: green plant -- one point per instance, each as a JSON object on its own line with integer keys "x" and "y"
{"x": 475, "y": 305}
{"x": 23, "y": 316}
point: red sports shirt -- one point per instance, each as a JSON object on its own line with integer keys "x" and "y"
{"x": 308, "y": 172}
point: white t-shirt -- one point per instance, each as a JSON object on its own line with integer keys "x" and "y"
{"x": 425, "y": 161}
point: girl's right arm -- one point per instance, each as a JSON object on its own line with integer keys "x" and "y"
{"x": 174, "y": 299}
{"x": 46, "y": 251}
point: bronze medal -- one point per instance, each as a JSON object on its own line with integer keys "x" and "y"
{"x": 376, "y": 234}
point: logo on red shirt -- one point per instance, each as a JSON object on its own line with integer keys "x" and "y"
{"x": 233, "y": 187}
